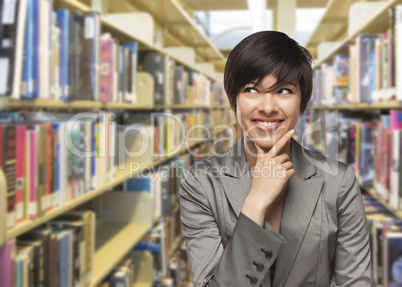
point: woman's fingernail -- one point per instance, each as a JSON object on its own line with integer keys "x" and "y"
{"x": 292, "y": 131}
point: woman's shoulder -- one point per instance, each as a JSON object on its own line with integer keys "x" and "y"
{"x": 329, "y": 168}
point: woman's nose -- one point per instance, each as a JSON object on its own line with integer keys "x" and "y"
{"x": 267, "y": 104}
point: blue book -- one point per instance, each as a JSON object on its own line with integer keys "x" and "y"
{"x": 63, "y": 23}
{"x": 35, "y": 64}
{"x": 18, "y": 272}
{"x": 94, "y": 182}
{"x": 61, "y": 263}
{"x": 139, "y": 184}
{"x": 56, "y": 179}
{"x": 27, "y": 69}
{"x": 144, "y": 245}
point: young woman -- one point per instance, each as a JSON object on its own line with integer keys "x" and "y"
{"x": 269, "y": 212}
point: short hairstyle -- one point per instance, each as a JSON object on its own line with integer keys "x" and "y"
{"x": 265, "y": 53}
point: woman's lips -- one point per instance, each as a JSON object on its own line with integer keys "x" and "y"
{"x": 267, "y": 128}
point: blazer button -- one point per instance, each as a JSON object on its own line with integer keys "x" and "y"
{"x": 259, "y": 266}
{"x": 268, "y": 253}
{"x": 253, "y": 280}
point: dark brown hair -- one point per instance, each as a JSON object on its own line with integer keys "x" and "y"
{"x": 265, "y": 53}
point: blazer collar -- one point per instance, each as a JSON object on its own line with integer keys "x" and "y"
{"x": 302, "y": 194}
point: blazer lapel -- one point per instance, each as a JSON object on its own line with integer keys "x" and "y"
{"x": 237, "y": 184}
{"x": 303, "y": 191}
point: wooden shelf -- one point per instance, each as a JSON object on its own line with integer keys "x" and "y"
{"x": 331, "y": 26}
{"x": 372, "y": 192}
{"x": 183, "y": 107}
{"x": 179, "y": 24}
{"x": 113, "y": 241}
{"x": 346, "y": 40}
{"x": 392, "y": 105}
{"x": 124, "y": 34}
{"x": 8, "y": 103}
{"x": 122, "y": 176}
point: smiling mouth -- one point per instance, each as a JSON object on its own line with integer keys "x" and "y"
{"x": 267, "y": 126}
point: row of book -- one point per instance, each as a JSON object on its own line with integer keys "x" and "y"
{"x": 368, "y": 74}
{"x": 49, "y": 162}
{"x": 386, "y": 243}
{"x": 58, "y": 253}
{"x": 78, "y": 62}
{"x": 372, "y": 144}
{"x": 173, "y": 84}
{"x": 51, "y": 158}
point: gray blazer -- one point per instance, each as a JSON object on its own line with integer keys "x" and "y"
{"x": 323, "y": 238}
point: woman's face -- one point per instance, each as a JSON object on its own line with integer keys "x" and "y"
{"x": 267, "y": 116}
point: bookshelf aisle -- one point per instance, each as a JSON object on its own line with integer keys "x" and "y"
{"x": 100, "y": 110}
{"x": 356, "y": 111}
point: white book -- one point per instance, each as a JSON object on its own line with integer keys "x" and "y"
{"x": 394, "y": 192}
{"x": 45, "y": 24}
{"x": 6, "y": 66}
{"x": 22, "y": 11}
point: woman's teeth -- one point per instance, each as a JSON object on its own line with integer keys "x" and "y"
{"x": 267, "y": 124}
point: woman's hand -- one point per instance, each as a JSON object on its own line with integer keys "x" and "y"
{"x": 269, "y": 177}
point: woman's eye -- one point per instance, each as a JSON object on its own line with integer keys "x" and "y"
{"x": 285, "y": 91}
{"x": 250, "y": 91}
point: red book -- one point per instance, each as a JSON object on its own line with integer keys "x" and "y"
{"x": 9, "y": 134}
{"x": 107, "y": 72}
{"x": 387, "y": 162}
{"x": 20, "y": 174}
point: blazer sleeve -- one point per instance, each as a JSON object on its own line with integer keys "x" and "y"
{"x": 247, "y": 256}
{"x": 353, "y": 255}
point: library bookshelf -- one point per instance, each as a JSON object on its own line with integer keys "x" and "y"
{"x": 122, "y": 176}
{"x": 356, "y": 47}
{"x": 191, "y": 49}
{"x": 375, "y": 20}
{"x": 123, "y": 33}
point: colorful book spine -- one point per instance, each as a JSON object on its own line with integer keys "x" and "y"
{"x": 20, "y": 174}
{"x": 107, "y": 72}
{"x": 7, "y": 263}
{"x": 396, "y": 119}
{"x": 94, "y": 179}
{"x": 36, "y": 49}
{"x": 9, "y": 138}
{"x": 133, "y": 49}
{"x": 27, "y": 72}
{"x": 33, "y": 177}
{"x": 63, "y": 23}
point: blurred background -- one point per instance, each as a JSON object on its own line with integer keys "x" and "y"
{"x": 104, "y": 103}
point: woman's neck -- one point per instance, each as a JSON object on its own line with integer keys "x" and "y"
{"x": 251, "y": 151}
